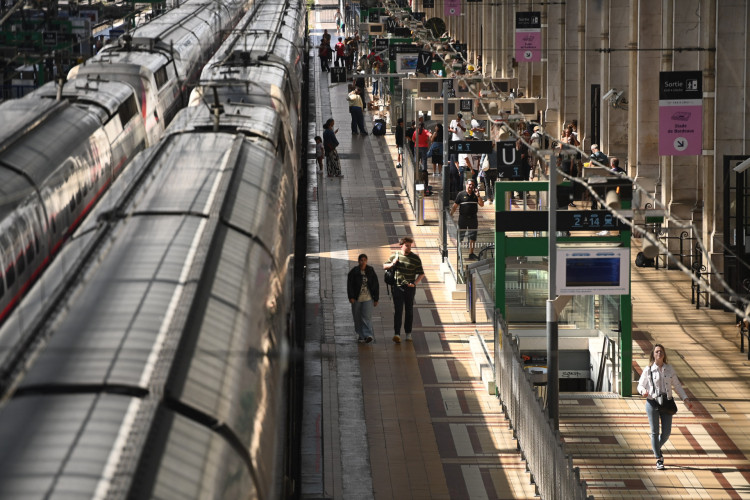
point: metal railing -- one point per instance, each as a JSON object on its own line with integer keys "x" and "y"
{"x": 685, "y": 254}
{"x": 540, "y": 445}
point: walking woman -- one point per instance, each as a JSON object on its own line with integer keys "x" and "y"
{"x": 436, "y": 150}
{"x": 363, "y": 290}
{"x": 333, "y": 166}
{"x": 658, "y": 379}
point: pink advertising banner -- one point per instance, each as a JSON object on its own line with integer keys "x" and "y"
{"x": 528, "y": 37}
{"x": 452, "y": 7}
{"x": 680, "y": 113}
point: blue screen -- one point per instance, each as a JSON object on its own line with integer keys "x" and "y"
{"x": 592, "y": 271}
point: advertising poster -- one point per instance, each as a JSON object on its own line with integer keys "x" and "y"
{"x": 528, "y": 36}
{"x": 680, "y": 113}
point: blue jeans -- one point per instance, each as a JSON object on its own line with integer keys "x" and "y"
{"x": 654, "y": 418}
{"x": 403, "y": 298}
{"x": 422, "y": 157}
{"x": 362, "y": 312}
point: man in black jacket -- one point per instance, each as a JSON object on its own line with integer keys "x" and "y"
{"x": 363, "y": 289}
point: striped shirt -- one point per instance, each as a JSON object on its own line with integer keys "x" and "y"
{"x": 408, "y": 267}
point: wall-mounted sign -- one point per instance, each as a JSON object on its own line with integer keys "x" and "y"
{"x": 528, "y": 36}
{"x": 680, "y": 113}
{"x": 452, "y": 7}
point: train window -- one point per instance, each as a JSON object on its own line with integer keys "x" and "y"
{"x": 7, "y": 260}
{"x": 288, "y": 94}
{"x": 28, "y": 239}
{"x": 10, "y": 275}
{"x": 30, "y": 253}
{"x": 161, "y": 77}
{"x": 21, "y": 263}
{"x": 128, "y": 110}
{"x": 281, "y": 149}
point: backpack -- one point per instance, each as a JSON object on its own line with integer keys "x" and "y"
{"x": 642, "y": 261}
{"x": 378, "y": 127}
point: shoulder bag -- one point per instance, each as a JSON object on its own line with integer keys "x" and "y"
{"x": 663, "y": 403}
{"x": 390, "y": 275}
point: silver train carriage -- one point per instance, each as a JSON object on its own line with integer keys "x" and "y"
{"x": 65, "y": 148}
{"x": 163, "y": 58}
{"x": 260, "y": 62}
{"x": 160, "y": 371}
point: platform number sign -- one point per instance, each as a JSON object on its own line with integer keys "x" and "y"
{"x": 509, "y": 164}
{"x": 338, "y": 74}
{"x": 424, "y": 62}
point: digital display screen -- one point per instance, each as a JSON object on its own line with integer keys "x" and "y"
{"x": 592, "y": 271}
{"x": 526, "y": 108}
{"x": 438, "y": 108}
{"x": 432, "y": 87}
{"x": 499, "y": 86}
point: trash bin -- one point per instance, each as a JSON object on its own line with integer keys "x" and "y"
{"x": 420, "y": 205}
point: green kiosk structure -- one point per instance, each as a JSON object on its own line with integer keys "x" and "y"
{"x": 592, "y": 272}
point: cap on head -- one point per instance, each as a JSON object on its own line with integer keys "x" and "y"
{"x": 460, "y": 115}
{"x": 594, "y": 146}
{"x": 537, "y": 128}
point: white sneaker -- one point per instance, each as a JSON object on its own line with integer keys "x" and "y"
{"x": 408, "y": 337}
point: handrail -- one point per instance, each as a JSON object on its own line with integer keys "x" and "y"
{"x": 540, "y": 444}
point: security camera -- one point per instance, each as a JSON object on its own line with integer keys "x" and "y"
{"x": 609, "y": 94}
{"x": 741, "y": 167}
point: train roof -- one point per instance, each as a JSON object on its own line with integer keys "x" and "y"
{"x": 115, "y": 62}
{"x": 91, "y": 400}
{"x": 255, "y": 119}
{"x": 108, "y": 95}
{"x": 269, "y": 34}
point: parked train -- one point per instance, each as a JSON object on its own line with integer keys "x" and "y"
{"x": 163, "y": 58}
{"x": 61, "y": 146}
{"x": 163, "y": 369}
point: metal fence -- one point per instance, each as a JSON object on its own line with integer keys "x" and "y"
{"x": 541, "y": 447}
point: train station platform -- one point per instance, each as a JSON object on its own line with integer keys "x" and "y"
{"x": 414, "y": 420}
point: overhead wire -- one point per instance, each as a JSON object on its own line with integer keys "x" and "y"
{"x": 674, "y": 222}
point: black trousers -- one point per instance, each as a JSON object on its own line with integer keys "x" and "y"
{"x": 403, "y": 298}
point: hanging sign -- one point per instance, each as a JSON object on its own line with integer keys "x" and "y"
{"x": 528, "y": 36}
{"x": 680, "y": 113}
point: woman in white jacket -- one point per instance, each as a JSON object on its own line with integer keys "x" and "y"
{"x": 659, "y": 378}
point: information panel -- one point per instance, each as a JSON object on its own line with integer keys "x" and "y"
{"x": 593, "y": 271}
{"x": 469, "y": 147}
